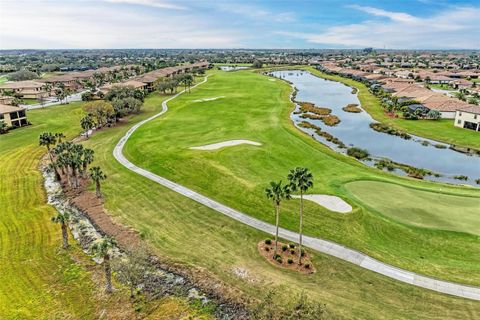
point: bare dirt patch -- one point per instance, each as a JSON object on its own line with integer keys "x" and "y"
{"x": 287, "y": 257}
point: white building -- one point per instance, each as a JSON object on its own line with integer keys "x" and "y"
{"x": 468, "y": 118}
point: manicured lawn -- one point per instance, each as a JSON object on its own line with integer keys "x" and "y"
{"x": 38, "y": 280}
{"x": 419, "y": 208}
{"x": 440, "y": 130}
{"x": 28, "y": 101}
{"x": 257, "y": 109}
{"x": 185, "y": 232}
{"x": 3, "y": 79}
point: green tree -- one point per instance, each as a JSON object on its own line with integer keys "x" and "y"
{"x": 276, "y": 192}
{"x": 3, "y": 127}
{"x": 301, "y": 179}
{"x": 49, "y": 140}
{"x": 103, "y": 250}
{"x": 62, "y": 219}
{"x": 87, "y": 124}
{"x": 88, "y": 156}
{"x": 97, "y": 176}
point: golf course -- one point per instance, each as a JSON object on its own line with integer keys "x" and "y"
{"x": 255, "y": 109}
{"x": 227, "y": 139}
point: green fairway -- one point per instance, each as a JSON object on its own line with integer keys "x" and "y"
{"x": 419, "y": 208}
{"x": 38, "y": 279}
{"x": 175, "y": 225}
{"x": 257, "y": 109}
{"x": 440, "y": 130}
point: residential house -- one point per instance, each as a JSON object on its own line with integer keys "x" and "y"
{"x": 468, "y": 118}
{"x": 25, "y": 89}
{"x": 13, "y": 116}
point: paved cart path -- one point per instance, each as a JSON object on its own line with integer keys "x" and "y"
{"x": 324, "y": 246}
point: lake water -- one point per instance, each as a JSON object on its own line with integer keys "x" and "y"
{"x": 354, "y": 130}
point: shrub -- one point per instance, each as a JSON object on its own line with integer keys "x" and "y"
{"x": 290, "y": 261}
{"x": 279, "y": 259}
{"x": 307, "y": 265}
{"x": 267, "y": 249}
{"x": 462, "y": 177}
{"x": 303, "y": 253}
{"x": 292, "y": 251}
{"x": 352, "y": 107}
{"x": 358, "y": 153}
{"x": 268, "y": 241}
{"x": 291, "y": 245}
{"x": 284, "y": 247}
{"x": 331, "y": 120}
{"x": 477, "y": 181}
{"x": 440, "y": 146}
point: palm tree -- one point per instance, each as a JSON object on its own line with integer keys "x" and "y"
{"x": 62, "y": 219}
{"x": 87, "y": 123}
{"x": 300, "y": 179}
{"x": 97, "y": 175}
{"x": 49, "y": 140}
{"x": 87, "y": 159}
{"x": 102, "y": 250}
{"x": 276, "y": 192}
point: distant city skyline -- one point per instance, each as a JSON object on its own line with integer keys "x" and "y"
{"x": 83, "y": 24}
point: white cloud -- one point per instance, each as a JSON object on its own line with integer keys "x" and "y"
{"x": 395, "y": 16}
{"x": 46, "y": 24}
{"x": 454, "y": 28}
{"x": 150, "y": 3}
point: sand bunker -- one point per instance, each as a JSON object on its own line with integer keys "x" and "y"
{"x": 332, "y": 203}
{"x": 223, "y": 144}
{"x": 209, "y": 99}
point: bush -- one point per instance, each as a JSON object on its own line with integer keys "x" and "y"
{"x": 291, "y": 245}
{"x": 290, "y": 261}
{"x": 465, "y": 178}
{"x": 358, "y": 153}
{"x": 284, "y": 247}
{"x": 292, "y": 251}
{"x": 331, "y": 120}
{"x": 303, "y": 253}
{"x": 307, "y": 265}
{"x": 267, "y": 249}
{"x": 268, "y": 241}
{"x": 87, "y": 96}
{"x": 477, "y": 181}
{"x": 279, "y": 259}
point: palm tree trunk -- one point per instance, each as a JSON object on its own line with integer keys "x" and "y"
{"x": 97, "y": 189}
{"x": 301, "y": 229}
{"x": 277, "y": 209}
{"x": 108, "y": 274}
{"x": 54, "y": 165}
{"x": 64, "y": 235}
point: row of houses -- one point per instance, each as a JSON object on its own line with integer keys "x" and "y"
{"x": 14, "y": 116}
{"x": 465, "y": 115}
{"x": 36, "y": 89}
{"x": 147, "y": 80}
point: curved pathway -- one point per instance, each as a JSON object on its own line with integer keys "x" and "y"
{"x": 317, "y": 244}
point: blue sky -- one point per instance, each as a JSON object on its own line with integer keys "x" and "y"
{"x": 400, "y": 24}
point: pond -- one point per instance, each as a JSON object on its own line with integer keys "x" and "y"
{"x": 354, "y": 131}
